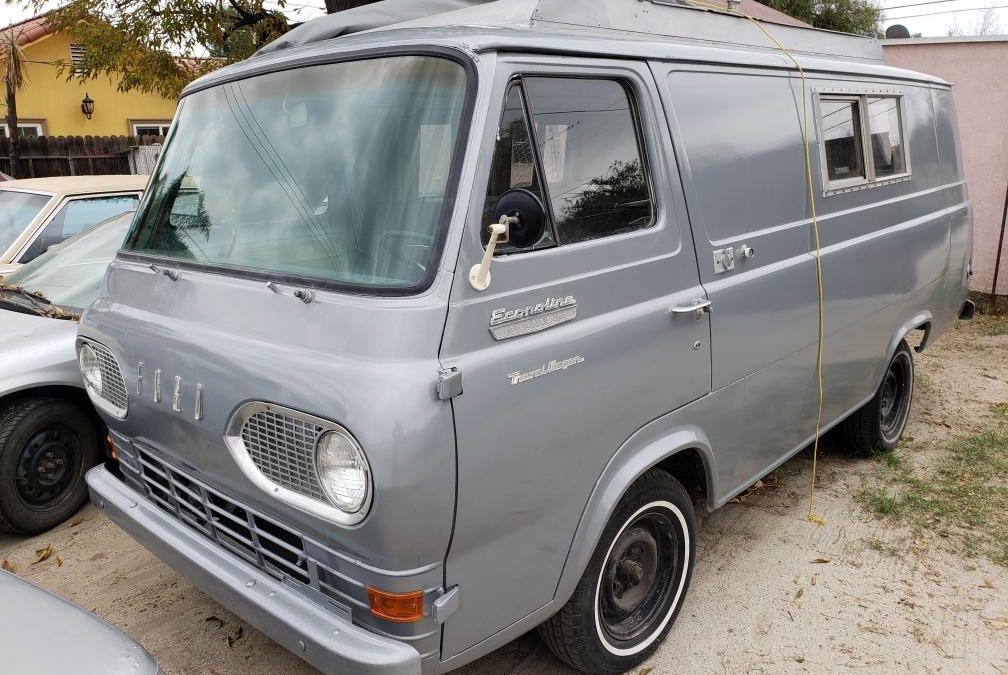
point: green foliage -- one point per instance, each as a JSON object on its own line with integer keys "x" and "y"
{"x": 139, "y": 42}
{"x": 861, "y": 17}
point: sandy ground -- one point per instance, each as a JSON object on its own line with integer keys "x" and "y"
{"x": 771, "y": 592}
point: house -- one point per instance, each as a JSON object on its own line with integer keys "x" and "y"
{"x": 50, "y": 105}
{"x": 975, "y": 65}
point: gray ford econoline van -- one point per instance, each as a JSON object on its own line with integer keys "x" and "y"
{"x": 423, "y": 336}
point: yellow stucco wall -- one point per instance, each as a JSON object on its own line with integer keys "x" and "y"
{"x": 49, "y": 96}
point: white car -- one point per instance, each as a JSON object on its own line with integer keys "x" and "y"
{"x": 37, "y": 213}
{"x": 49, "y": 432}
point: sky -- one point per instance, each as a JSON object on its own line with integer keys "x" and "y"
{"x": 939, "y": 13}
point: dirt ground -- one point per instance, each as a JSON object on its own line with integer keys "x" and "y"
{"x": 772, "y": 593}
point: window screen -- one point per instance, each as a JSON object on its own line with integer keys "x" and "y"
{"x": 886, "y": 136}
{"x": 841, "y": 129}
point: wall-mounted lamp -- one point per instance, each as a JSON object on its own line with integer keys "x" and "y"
{"x": 87, "y": 106}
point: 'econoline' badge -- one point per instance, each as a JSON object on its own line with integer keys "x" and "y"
{"x": 508, "y": 323}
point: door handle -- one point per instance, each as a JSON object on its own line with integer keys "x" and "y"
{"x": 697, "y": 306}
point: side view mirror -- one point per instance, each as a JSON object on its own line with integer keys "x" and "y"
{"x": 526, "y": 217}
{"x": 520, "y": 220}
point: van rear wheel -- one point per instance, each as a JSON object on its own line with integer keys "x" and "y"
{"x": 632, "y": 590}
{"x": 879, "y": 424}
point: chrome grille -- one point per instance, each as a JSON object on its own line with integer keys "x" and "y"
{"x": 113, "y": 387}
{"x": 283, "y": 449}
{"x": 259, "y": 540}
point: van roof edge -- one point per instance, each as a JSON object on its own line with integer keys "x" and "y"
{"x": 671, "y": 20}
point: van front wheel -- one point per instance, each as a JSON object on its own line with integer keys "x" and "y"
{"x": 878, "y": 425}
{"x": 634, "y": 585}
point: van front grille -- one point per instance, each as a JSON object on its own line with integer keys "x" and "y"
{"x": 283, "y": 449}
{"x": 261, "y": 541}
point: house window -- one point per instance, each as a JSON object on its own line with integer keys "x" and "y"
{"x": 25, "y": 130}
{"x": 581, "y": 156}
{"x": 863, "y": 140}
{"x": 156, "y": 128}
{"x": 77, "y": 59}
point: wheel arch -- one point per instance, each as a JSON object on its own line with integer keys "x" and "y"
{"x": 684, "y": 452}
{"x": 920, "y": 321}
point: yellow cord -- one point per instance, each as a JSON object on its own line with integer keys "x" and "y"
{"x": 812, "y": 517}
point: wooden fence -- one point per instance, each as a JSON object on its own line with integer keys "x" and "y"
{"x": 81, "y": 155}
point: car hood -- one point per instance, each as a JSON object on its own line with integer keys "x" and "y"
{"x": 36, "y": 351}
{"x": 32, "y": 621}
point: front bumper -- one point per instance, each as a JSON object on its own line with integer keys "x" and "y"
{"x": 328, "y": 642}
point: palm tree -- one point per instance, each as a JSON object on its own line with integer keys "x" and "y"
{"x": 12, "y": 66}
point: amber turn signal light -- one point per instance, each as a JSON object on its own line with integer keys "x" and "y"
{"x": 398, "y": 607}
{"x": 111, "y": 448}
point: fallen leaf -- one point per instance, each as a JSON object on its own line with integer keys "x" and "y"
{"x": 813, "y": 518}
{"x": 986, "y": 582}
{"x": 237, "y": 636}
{"x": 645, "y": 671}
{"x": 76, "y": 521}
{"x": 801, "y": 592}
{"x": 819, "y": 561}
{"x": 59, "y": 562}
{"x": 42, "y": 554}
{"x": 814, "y": 577}
{"x": 799, "y": 659}
{"x": 214, "y": 619}
{"x": 8, "y": 565}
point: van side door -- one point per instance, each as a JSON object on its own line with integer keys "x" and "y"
{"x": 737, "y": 135}
{"x": 580, "y": 339}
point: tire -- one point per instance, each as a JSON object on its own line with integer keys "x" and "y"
{"x": 46, "y": 447}
{"x": 630, "y": 594}
{"x": 878, "y": 425}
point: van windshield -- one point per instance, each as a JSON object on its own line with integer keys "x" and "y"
{"x": 337, "y": 172}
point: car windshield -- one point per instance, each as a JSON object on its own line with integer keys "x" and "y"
{"x": 338, "y": 172}
{"x": 17, "y": 210}
{"x": 69, "y": 275}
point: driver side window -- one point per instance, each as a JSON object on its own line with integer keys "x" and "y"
{"x": 582, "y": 156}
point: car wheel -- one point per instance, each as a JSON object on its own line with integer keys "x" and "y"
{"x": 879, "y": 424}
{"x": 633, "y": 588}
{"x": 46, "y": 446}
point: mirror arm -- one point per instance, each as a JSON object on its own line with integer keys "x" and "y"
{"x": 479, "y": 275}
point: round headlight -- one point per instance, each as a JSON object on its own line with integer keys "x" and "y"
{"x": 90, "y": 370}
{"x": 343, "y": 471}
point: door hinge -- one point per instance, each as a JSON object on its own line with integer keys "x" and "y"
{"x": 449, "y": 383}
{"x": 445, "y": 605}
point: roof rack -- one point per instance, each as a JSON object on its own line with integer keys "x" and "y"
{"x": 677, "y": 20}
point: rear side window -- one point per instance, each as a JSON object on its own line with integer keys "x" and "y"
{"x": 885, "y": 126}
{"x": 842, "y": 138}
{"x": 584, "y": 145}
{"x": 863, "y": 140}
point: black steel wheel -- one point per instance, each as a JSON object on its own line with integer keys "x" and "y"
{"x": 879, "y": 424}
{"x": 46, "y": 466}
{"x": 46, "y": 446}
{"x": 632, "y": 590}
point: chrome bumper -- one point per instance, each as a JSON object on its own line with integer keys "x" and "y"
{"x": 328, "y": 642}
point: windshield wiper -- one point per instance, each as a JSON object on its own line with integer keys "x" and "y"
{"x": 38, "y": 303}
